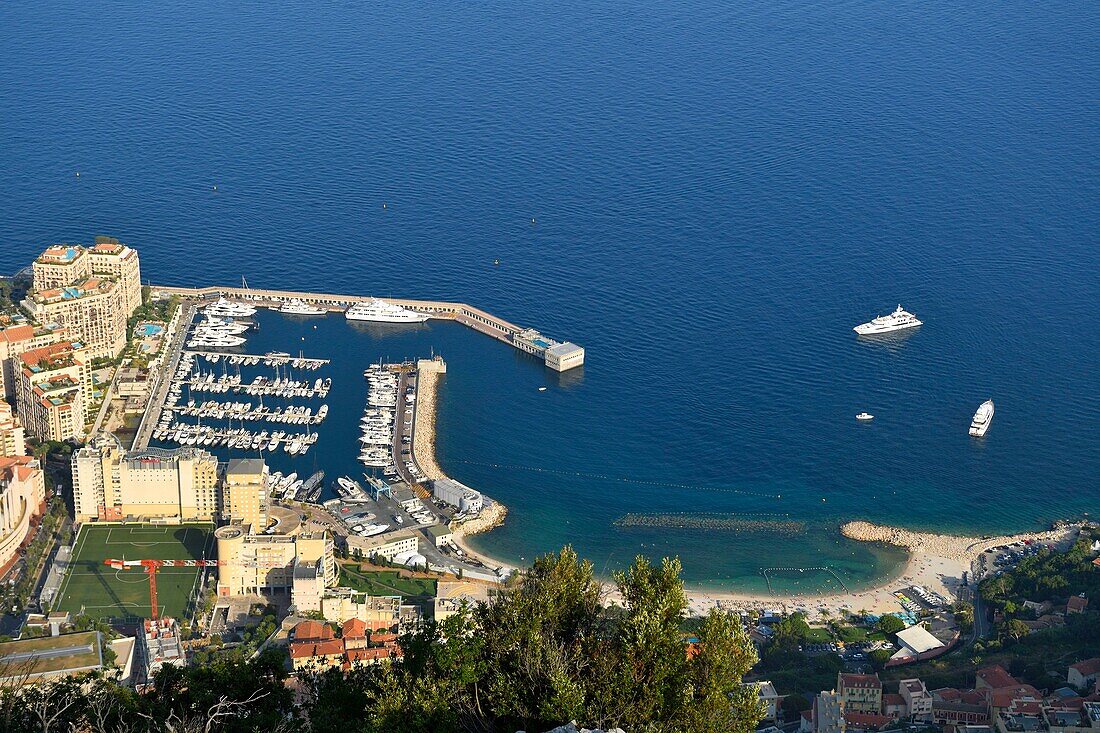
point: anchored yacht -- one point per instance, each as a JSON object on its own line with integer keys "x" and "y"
{"x": 898, "y": 320}
{"x": 223, "y": 308}
{"x": 298, "y": 307}
{"x": 982, "y": 418}
{"x": 380, "y": 311}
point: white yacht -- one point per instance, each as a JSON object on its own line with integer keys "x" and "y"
{"x": 982, "y": 418}
{"x": 223, "y": 308}
{"x": 865, "y": 416}
{"x": 382, "y": 312}
{"x": 298, "y": 307}
{"x": 898, "y": 320}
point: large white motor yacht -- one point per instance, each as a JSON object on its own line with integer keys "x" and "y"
{"x": 896, "y": 321}
{"x": 382, "y": 312}
{"x": 982, "y": 418}
{"x": 299, "y": 307}
{"x": 223, "y": 308}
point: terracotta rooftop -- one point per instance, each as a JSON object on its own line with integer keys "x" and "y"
{"x": 995, "y": 676}
{"x": 313, "y": 631}
{"x": 860, "y": 680}
{"x": 354, "y": 628}
{"x": 1088, "y": 667}
{"x": 891, "y": 698}
{"x": 1077, "y": 603}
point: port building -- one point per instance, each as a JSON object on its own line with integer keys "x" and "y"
{"x": 457, "y": 495}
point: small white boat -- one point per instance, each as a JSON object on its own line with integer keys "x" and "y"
{"x": 865, "y": 416}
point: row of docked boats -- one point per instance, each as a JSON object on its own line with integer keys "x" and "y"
{"x": 270, "y": 359}
{"x": 207, "y": 436}
{"x": 375, "y": 310}
{"x": 215, "y": 332}
{"x": 260, "y": 386}
{"x": 378, "y": 421}
{"x": 247, "y": 411}
{"x": 291, "y": 488}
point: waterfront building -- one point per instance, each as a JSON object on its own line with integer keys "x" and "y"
{"x": 59, "y": 265}
{"x": 12, "y": 441}
{"x": 252, "y": 563}
{"x": 457, "y": 495}
{"x": 14, "y": 341}
{"x": 244, "y": 493}
{"x": 92, "y": 292}
{"x": 53, "y": 388}
{"x": 93, "y": 310}
{"x": 22, "y": 502}
{"x": 116, "y": 260}
{"x": 861, "y": 693}
{"x": 154, "y": 483}
{"x": 389, "y": 546}
{"x": 558, "y": 356}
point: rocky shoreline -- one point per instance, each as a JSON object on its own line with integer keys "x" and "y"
{"x": 493, "y": 514}
{"x": 954, "y": 547}
{"x": 424, "y": 435}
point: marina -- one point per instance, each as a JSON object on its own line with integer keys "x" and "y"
{"x": 559, "y": 356}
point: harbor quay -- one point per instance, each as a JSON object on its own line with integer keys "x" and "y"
{"x": 559, "y": 356}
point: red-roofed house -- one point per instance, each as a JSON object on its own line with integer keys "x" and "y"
{"x": 959, "y": 707}
{"x": 313, "y": 631}
{"x": 1084, "y": 675}
{"x": 373, "y": 655}
{"x": 893, "y": 706}
{"x": 857, "y": 721}
{"x": 860, "y": 693}
{"x": 354, "y": 634}
{"x": 1077, "y": 604}
{"x": 316, "y": 654}
{"x": 993, "y": 677}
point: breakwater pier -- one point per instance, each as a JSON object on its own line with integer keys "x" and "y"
{"x": 559, "y": 356}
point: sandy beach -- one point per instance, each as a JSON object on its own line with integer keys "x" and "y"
{"x": 936, "y": 561}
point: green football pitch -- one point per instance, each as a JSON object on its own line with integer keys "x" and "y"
{"x": 105, "y": 593}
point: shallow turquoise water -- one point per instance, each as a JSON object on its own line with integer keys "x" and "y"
{"x": 719, "y": 192}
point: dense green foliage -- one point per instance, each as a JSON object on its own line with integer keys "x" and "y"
{"x": 544, "y": 651}
{"x": 1045, "y": 576}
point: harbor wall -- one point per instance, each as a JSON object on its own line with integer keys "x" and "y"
{"x": 464, "y": 313}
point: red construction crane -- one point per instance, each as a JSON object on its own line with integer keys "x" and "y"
{"x": 152, "y": 566}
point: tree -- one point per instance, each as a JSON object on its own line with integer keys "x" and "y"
{"x": 793, "y": 705}
{"x": 890, "y": 624}
{"x": 879, "y": 657}
{"x": 1015, "y": 629}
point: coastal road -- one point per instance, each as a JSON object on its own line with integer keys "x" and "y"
{"x": 159, "y": 393}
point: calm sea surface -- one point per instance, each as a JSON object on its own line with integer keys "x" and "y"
{"x": 720, "y": 191}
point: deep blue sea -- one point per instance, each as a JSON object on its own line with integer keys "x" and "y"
{"x": 706, "y": 195}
